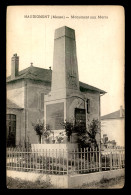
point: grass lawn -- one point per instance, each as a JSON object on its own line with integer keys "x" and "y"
{"x": 21, "y": 184}
{"x": 103, "y": 184}
{"x": 115, "y": 183}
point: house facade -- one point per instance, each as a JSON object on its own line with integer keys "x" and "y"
{"x": 25, "y": 101}
{"x": 37, "y": 93}
{"x": 113, "y": 125}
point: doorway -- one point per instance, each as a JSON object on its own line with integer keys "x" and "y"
{"x": 11, "y": 130}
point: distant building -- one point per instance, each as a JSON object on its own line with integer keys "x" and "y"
{"x": 113, "y": 125}
{"x": 107, "y": 144}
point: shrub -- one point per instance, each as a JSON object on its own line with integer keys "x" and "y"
{"x": 88, "y": 138}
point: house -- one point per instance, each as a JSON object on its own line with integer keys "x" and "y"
{"x": 25, "y": 100}
{"x": 37, "y": 93}
{"x": 113, "y": 125}
{"x": 107, "y": 144}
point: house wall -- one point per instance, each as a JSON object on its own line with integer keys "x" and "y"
{"x": 26, "y": 94}
{"x": 15, "y": 92}
{"x": 33, "y": 108}
{"x": 20, "y": 125}
{"x": 94, "y": 110}
{"x": 94, "y": 105}
{"x": 77, "y": 102}
{"x": 114, "y": 128}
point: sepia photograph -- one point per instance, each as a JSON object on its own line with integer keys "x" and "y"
{"x": 65, "y": 107}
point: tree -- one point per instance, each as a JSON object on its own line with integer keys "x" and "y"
{"x": 94, "y": 128}
{"x": 41, "y": 130}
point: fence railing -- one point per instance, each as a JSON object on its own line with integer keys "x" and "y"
{"x": 113, "y": 159}
{"x": 54, "y": 161}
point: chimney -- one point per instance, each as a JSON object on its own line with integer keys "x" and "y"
{"x": 14, "y": 66}
{"x": 121, "y": 111}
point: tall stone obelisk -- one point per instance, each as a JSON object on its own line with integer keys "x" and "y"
{"x": 64, "y": 95}
{"x": 65, "y": 68}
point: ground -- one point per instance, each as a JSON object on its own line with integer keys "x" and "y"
{"x": 21, "y": 184}
{"x": 115, "y": 183}
{"x": 103, "y": 184}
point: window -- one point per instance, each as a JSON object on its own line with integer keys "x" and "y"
{"x": 88, "y": 105}
{"x": 11, "y": 130}
{"x": 42, "y": 101}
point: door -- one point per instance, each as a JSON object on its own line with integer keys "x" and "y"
{"x": 11, "y": 130}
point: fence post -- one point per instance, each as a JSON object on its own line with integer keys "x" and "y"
{"x": 111, "y": 161}
{"x": 67, "y": 162}
{"x": 120, "y": 159}
{"x": 100, "y": 168}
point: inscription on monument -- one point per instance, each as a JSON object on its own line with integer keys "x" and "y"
{"x": 80, "y": 117}
{"x": 55, "y": 115}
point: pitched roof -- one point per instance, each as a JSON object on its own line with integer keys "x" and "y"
{"x": 113, "y": 115}
{"x": 84, "y": 86}
{"x": 34, "y": 73}
{"x": 13, "y": 105}
{"x": 45, "y": 75}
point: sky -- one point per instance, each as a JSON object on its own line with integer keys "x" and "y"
{"x": 99, "y": 41}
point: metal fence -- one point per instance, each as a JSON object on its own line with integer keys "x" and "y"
{"x": 52, "y": 161}
{"x": 113, "y": 159}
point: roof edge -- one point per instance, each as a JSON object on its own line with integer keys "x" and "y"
{"x": 92, "y": 88}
